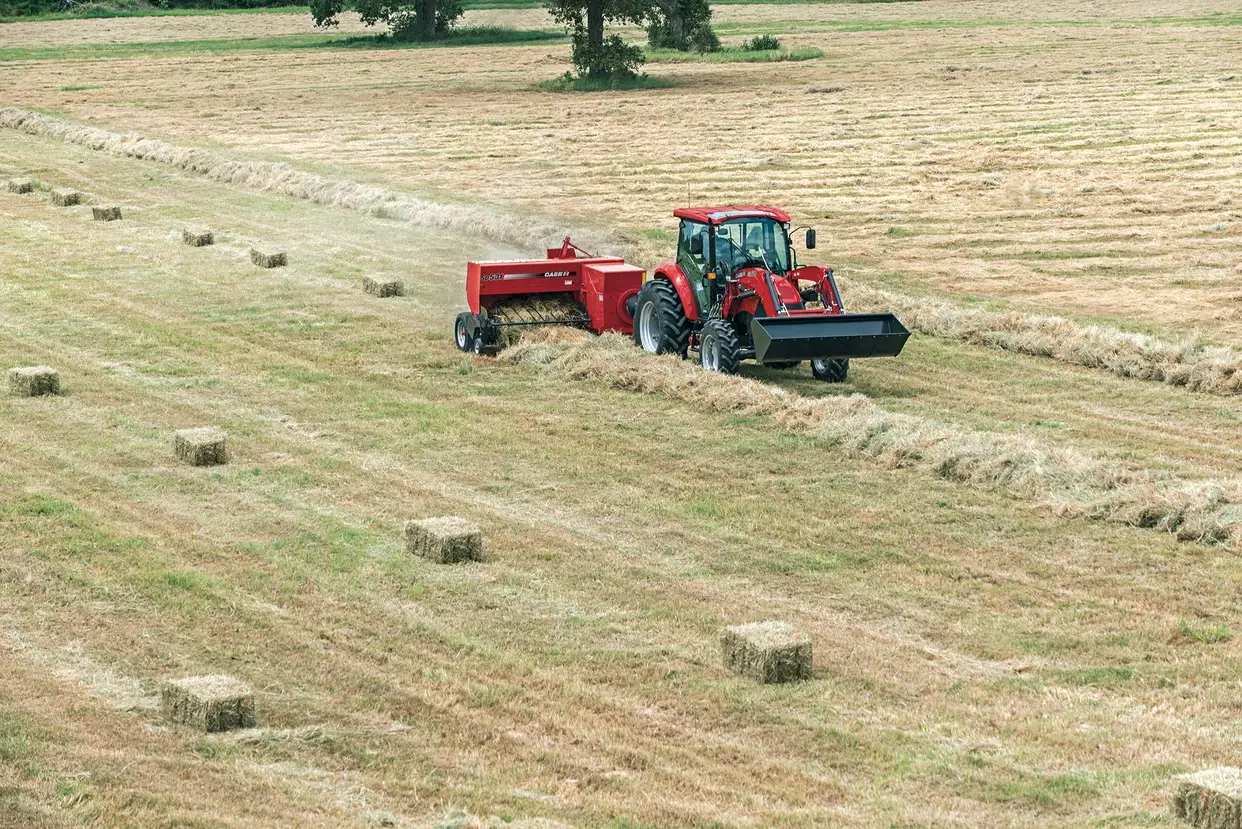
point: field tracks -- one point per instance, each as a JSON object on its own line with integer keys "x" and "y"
{"x": 1070, "y": 482}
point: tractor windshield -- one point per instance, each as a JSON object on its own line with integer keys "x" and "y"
{"x": 751, "y": 243}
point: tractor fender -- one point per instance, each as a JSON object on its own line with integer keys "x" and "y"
{"x": 672, "y": 273}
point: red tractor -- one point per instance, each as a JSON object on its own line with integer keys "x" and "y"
{"x": 734, "y": 292}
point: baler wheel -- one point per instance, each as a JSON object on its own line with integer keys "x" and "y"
{"x": 461, "y": 331}
{"x": 660, "y": 324}
{"x": 830, "y": 371}
{"x": 718, "y": 347}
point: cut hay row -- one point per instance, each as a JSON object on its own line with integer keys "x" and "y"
{"x": 1070, "y": 482}
{"x": 281, "y": 179}
{"x": 1185, "y": 362}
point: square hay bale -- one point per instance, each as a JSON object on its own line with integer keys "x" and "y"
{"x": 268, "y": 260}
{"x": 198, "y": 238}
{"x": 106, "y": 214}
{"x": 1210, "y": 799}
{"x": 446, "y": 539}
{"x": 205, "y": 446}
{"x": 767, "y": 651}
{"x": 383, "y": 287}
{"x": 21, "y": 185}
{"x": 33, "y": 381}
{"x": 209, "y": 703}
{"x": 62, "y": 197}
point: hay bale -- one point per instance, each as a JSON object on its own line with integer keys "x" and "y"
{"x": 198, "y": 238}
{"x": 209, "y": 703}
{"x": 446, "y": 540}
{"x": 268, "y": 260}
{"x": 204, "y": 446}
{"x": 21, "y": 185}
{"x": 106, "y": 214}
{"x": 62, "y": 197}
{"x": 383, "y": 287}
{"x": 1210, "y": 799}
{"x": 33, "y": 381}
{"x": 767, "y": 651}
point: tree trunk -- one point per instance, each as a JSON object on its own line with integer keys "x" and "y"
{"x": 427, "y": 11}
{"x": 595, "y": 36}
{"x": 674, "y": 25}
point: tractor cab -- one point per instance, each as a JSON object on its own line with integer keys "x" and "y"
{"x": 714, "y": 245}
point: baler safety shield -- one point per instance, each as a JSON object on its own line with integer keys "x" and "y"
{"x": 827, "y": 336}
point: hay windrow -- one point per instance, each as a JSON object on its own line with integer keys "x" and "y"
{"x": 1182, "y": 362}
{"x": 281, "y": 179}
{"x": 1068, "y": 481}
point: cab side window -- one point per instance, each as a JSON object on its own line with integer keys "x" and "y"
{"x": 698, "y": 262}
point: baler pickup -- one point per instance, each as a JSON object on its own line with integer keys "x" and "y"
{"x": 827, "y": 337}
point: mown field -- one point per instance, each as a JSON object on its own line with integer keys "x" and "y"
{"x": 980, "y": 659}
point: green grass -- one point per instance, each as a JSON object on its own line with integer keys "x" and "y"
{"x": 469, "y": 36}
{"x": 733, "y": 54}
{"x": 1203, "y": 634}
{"x": 568, "y": 83}
{"x": 96, "y": 14}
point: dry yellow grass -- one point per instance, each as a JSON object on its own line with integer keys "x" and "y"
{"x": 979, "y": 662}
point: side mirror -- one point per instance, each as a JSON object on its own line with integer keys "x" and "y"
{"x": 810, "y": 238}
{"x": 696, "y": 244}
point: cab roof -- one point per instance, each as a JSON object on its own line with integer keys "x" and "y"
{"x": 716, "y": 215}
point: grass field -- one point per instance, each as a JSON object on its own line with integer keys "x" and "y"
{"x": 981, "y": 658}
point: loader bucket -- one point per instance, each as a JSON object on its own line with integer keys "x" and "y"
{"x": 827, "y": 337}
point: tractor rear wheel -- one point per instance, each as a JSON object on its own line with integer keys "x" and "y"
{"x": 461, "y": 331}
{"x": 719, "y": 348}
{"x": 660, "y": 324}
{"x": 830, "y": 371}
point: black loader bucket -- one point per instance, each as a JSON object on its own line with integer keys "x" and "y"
{"x": 827, "y": 337}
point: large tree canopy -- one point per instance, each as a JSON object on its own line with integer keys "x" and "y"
{"x": 407, "y": 19}
{"x": 595, "y": 55}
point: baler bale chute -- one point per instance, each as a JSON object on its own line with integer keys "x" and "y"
{"x": 734, "y": 292}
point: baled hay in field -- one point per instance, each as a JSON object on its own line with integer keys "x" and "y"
{"x": 209, "y": 703}
{"x": 1178, "y": 363}
{"x": 269, "y": 260}
{"x": 33, "y": 381}
{"x": 198, "y": 238}
{"x": 1210, "y": 799}
{"x": 62, "y": 197}
{"x": 767, "y": 652}
{"x": 106, "y": 214}
{"x": 204, "y": 446}
{"x": 525, "y": 232}
{"x": 447, "y": 539}
{"x": 1072, "y": 482}
{"x": 380, "y": 287}
{"x": 21, "y": 186}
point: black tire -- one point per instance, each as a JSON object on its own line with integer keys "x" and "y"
{"x": 718, "y": 347}
{"x": 785, "y": 364}
{"x": 477, "y": 344}
{"x": 830, "y": 371}
{"x": 660, "y": 324}
{"x": 461, "y": 331}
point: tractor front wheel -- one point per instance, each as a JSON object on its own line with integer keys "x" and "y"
{"x": 461, "y": 331}
{"x": 718, "y": 347}
{"x": 830, "y": 371}
{"x": 660, "y": 324}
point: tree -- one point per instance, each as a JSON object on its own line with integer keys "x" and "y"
{"x": 407, "y": 19}
{"x": 683, "y": 25}
{"x": 594, "y": 55}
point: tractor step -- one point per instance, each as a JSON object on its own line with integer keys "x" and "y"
{"x": 827, "y": 337}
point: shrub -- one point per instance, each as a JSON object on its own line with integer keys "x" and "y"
{"x": 762, "y": 43}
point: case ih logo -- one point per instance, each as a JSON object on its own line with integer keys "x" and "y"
{"x": 492, "y": 277}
